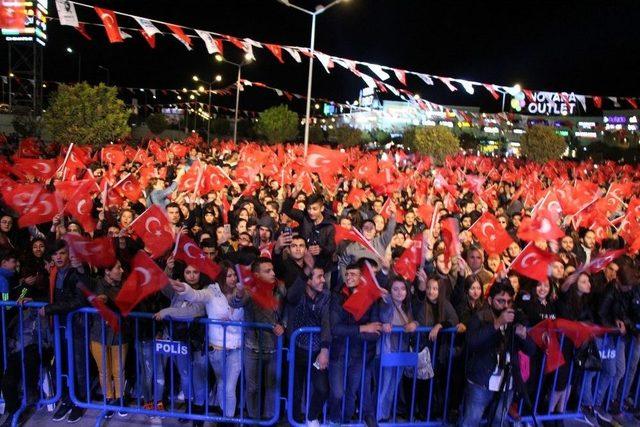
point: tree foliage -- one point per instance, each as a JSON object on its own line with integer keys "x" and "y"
{"x": 348, "y": 136}
{"x": 278, "y": 124}
{"x": 541, "y": 144}
{"x": 157, "y": 123}
{"x": 86, "y": 115}
{"x": 435, "y": 141}
{"x": 380, "y": 136}
{"x": 316, "y": 134}
{"x": 221, "y": 127}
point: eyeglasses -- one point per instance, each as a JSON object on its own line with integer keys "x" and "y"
{"x": 502, "y": 301}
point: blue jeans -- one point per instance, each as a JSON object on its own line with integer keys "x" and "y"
{"x": 604, "y": 378}
{"x": 391, "y": 378}
{"x": 476, "y": 401}
{"x": 260, "y": 369}
{"x": 227, "y": 366}
{"x": 348, "y": 390}
{"x": 151, "y": 372}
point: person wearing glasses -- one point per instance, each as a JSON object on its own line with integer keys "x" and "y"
{"x": 493, "y": 341}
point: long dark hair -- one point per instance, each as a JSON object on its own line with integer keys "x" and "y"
{"x": 221, "y": 279}
{"x": 406, "y": 303}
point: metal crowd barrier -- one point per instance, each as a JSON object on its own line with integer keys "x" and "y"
{"x": 386, "y": 382}
{"x": 258, "y": 406}
{"x": 40, "y": 385}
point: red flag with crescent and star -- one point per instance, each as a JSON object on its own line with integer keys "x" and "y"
{"x": 110, "y": 22}
{"x": 533, "y": 262}
{"x": 145, "y": 279}
{"x": 98, "y": 252}
{"x": 154, "y": 229}
{"x": 188, "y": 252}
{"x": 491, "y": 235}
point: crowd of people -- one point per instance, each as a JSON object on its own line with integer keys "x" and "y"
{"x": 417, "y": 283}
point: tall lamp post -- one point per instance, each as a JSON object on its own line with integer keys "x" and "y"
{"x": 247, "y": 59}
{"x": 217, "y": 78}
{"x": 71, "y": 52}
{"x": 103, "y": 68}
{"x": 318, "y": 11}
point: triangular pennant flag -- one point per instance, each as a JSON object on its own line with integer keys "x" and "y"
{"x": 276, "y": 50}
{"x": 492, "y": 90}
{"x": 208, "y": 41}
{"x": 150, "y": 39}
{"x": 294, "y": 54}
{"x": 325, "y": 60}
{"x": 447, "y": 82}
{"x": 467, "y": 85}
{"x": 401, "y": 76}
{"x": 426, "y": 78}
{"x": 378, "y": 71}
{"x": 597, "y": 101}
{"x": 180, "y": 35}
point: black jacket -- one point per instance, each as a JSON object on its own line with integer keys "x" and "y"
{"x": 617, "y": 305}
{"x": 345, "y": 327}
{"x": 69, "y": 297}
{"x": 323, "y": 234}
{"x": 485, "y": 344}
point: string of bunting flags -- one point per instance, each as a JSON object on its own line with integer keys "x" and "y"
{"x": 215, "y": 44}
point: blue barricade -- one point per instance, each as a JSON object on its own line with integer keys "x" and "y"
{"x": 31, "y": 356}
{"x": 162, "y": 348}
{"x": 400, "y": 378}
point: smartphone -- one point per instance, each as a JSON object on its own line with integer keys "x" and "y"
{"x": 316, "y": 365}
{"x": 227, "y": 229}
{"x": 287, "y": 230}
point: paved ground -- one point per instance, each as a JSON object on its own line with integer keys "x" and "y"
{"x": 42, "y": 418}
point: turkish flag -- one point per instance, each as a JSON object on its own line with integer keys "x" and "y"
{"x": 130, "y": 188}
{"x": 551, "y": 204}
{"x": 113, "y": 154}
{"x": 179, "y": 150}
{"x": 600, "y": 261}
{"x": 425, "y": 213}
{"x": 41, "y": 169}
{"x": 325, "y": 160}
{"x": 21, "y": 196}
{"x": 154, "y": 229}
{"x": 158, "y": 152}
{"x": 180, "y": 35}
{"x": 12, "y": 15}
{"x": 214, "y": 179}
{"x": 449, "y": 232}
{"x": 191, "y": 177}
{"x": 145, "y": 279}
{"x": 533, "y": 262}
{"x": 546, "y": 338}
{"x": 580, "y": 332}
{"x": 491, "y": 235}
{"x": 354, "y": 236}
{"x": 407, "y": 264}
{"x": 78, "y": 158}
{"x": 387, "y": 207}
{"x": 43, "y": 209}
{"x": 80, "y": 206}
{"x": 621, "y": 190}
{"x": 99, "y": 252}
{"x": 28, "y": 147}
{"x": 109, "y": 316}
{"x": 542, "y": 227}
{"x": 365, "y": 294}
{"x": 356, "y": 195}
{"x": 188, "y": 252}
{"x": 366, "y": 168}
{"x": 261, "y": 292}
{"x": 151, "y": 39}
{"x": 110, "y": 22}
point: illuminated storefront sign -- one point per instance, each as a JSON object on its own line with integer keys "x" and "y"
{"x": 552, "y": 103}
{"x": 35, "y": 25}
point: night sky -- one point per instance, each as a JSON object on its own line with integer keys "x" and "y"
{"x": 589, "y": 47}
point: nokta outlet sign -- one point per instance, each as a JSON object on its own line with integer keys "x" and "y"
{"x": 552, "y": 103}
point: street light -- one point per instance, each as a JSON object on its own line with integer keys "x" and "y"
{"x": 318, "y": 11}
{"x": 71, "y": 52}
{"x": 217, "y": 78}
{"x": 247, "y": 59}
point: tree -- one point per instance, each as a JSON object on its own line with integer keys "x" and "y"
{"x": 435, "y": 141}
{"x": 157, "y": 123}
{"x": 25, "y": 123}
{"x": 380, "y": 136}
{"x": 541, "y": 144}
{"x": 278, "y": 124}
{"x": 86, "y": 115}
{"x": 348, "y": 136}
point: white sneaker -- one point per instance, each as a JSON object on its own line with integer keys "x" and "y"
{"x": 180, "y": 396}
{"x": 313, "y": 423}
{"x": 154, "y": 419}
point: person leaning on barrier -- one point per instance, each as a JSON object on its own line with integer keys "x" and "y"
{"x": 260, "y": 352}
{"x": 349, "y": 339}
{"x": 23, "y": 341}
{"x": 493, "y": 342}
{"x": 308, "y": 301}
{"x": 224, "y": 342}
{"x": 65, "y": 296}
